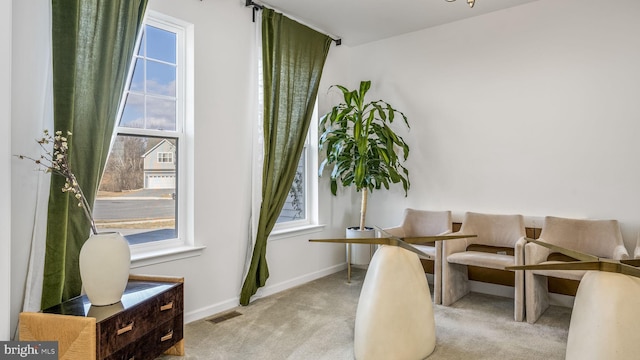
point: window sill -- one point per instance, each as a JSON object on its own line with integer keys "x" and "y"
{"x": 164, "y": 255}
{"x": 293, "y": 232}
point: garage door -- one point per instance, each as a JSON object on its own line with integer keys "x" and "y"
{"x": 160, "y": 181}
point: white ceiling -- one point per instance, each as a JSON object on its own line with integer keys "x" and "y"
{"x": 360, "y": 21}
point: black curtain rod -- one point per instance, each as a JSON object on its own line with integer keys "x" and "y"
{"x": 257, "y": 7}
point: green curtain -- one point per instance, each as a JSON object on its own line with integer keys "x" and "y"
{"x": 293, "y": 56}
{"x": 92, "y": 43}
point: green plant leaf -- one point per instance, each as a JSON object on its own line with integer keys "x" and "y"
{"x": 334, "y": 187}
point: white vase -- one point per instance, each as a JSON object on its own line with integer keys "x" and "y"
{"x": 105, "y": 260}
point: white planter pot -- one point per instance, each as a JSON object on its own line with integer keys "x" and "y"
{"x": 105, "y": 260}
{"x": 360, "y": 253}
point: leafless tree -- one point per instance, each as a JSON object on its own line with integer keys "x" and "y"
{"x": 124, "y": 169}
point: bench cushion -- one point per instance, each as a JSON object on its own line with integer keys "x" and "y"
{"x": 482, "y": 259}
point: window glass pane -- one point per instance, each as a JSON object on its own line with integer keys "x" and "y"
{"x": 137, "y": 80}
{"x": 161, "y": 78}
{"x": 161, "y": 44}
{"x": 295, "y": 206}
{"x": 137, "y": 194}
{"x": 133, "y": 113}
{"x": 161, "y": 114}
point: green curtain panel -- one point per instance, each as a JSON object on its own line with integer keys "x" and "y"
{"x": 293, "y": 56}
{"x": 93, "y": 42}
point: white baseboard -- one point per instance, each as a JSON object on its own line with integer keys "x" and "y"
{"x": 475, "y": 286}
{"x": 276, "y": 288}
{"x": 234, "y": 302}
{"x": 211, "y": 310}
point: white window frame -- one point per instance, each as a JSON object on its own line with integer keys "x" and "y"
{"x": 183, "y": 245}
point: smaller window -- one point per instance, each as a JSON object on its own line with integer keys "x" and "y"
{"x": 165, "y": 157}
{"x": 300, "y": 208}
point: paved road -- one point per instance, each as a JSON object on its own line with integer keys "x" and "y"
{"x": 138, "y": 205}
{"x": 122, "y": 209}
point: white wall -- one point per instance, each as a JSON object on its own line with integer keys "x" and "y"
{"x": 224, "y": 117}
{"x": 5, "y": 178}
{"x": 531, "y": 110}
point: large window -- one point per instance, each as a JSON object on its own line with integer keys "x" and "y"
{"x": 143, "y": 190}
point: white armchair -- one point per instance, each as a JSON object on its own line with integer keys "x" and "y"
{"x": 426, "y": 223}
{"x": 601, "y": 238}
{"x": 502, "y": 234}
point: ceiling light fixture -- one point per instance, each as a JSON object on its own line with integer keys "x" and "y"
{"x": 470, "y": 2}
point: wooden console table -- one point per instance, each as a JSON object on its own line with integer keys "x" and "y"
{"x": 147, "y": 322}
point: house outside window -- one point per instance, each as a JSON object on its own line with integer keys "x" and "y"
{"x": 159, "y": 170}
{"x": 143, "y": 192}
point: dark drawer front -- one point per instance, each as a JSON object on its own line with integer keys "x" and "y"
{"x": 153, "y": 344}
{"x": 132, "y": 324}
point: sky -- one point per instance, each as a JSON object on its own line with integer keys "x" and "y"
{"x": 151, "y": 103}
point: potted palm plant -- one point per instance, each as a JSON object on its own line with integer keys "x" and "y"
{"x": 362, "y": 148}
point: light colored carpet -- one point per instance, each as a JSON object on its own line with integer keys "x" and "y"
{"x": 316, "y": 321}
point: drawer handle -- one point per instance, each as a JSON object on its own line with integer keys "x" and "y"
{"x": 167, "y": 337}
{"x": 165, "y": 307}
{"x": 126, "y": 329}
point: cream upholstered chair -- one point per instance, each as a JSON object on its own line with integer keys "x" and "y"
{"x": 499, "y": 243}
{"x": 426, "y": 223}
{"x": 601, "y": 238}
